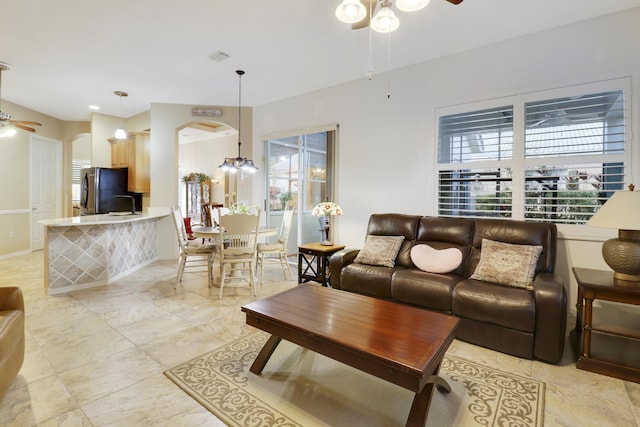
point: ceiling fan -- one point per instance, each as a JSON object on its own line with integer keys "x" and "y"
{"x": 5, "y": 118}
{"x": 370, "y": 6}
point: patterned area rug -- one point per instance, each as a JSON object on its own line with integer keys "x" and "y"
{"x": 301, "y": 388}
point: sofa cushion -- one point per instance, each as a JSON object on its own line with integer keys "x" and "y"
{"x": 393, "y": 224}
{"x": 446, "y": 232}
{"x": 380, "y": 250}
{"x": 434, "y": 260}
{"x": 372, "y": 280}
{"x": 518, "y": 233}
{"x": 495, "y": 304}
{"x": 427, "y": 290}
{"x": 507, "y": 264}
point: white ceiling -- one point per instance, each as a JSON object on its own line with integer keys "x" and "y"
{"x": 69, "y": 54}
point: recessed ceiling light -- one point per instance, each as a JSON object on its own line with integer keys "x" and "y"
{"x": 94, "y": 107}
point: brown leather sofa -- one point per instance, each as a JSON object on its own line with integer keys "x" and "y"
{"x": 11, "y": 336}
{"x": 525, "y": 323}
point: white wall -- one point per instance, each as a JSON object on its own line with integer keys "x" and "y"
{"x": 81, "y": 150}
{"x": 387, "y": 147}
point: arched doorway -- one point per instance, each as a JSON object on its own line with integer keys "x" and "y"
{"x": 202, "y": 146}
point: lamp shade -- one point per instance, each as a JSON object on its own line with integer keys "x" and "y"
{"x": 411, "y": 5}
{"x": 385, "y": 21}
{"x": 351, "y": 11}
{"x": 621, "y": 211}
{"x": 326, "y": 209}
{"x": 7, "y": 131}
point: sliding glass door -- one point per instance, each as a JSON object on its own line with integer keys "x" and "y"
{"x": 299, "y": 175}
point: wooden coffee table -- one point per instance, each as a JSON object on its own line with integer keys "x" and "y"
{"x": 398, "y": 343}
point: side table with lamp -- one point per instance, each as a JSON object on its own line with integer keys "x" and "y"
{"x": 313, "y": 258}
{"x": 607, "y": 339}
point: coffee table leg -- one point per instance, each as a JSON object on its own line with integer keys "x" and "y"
{"x": 422, "y": 401}
{"x": 265, "y": 354}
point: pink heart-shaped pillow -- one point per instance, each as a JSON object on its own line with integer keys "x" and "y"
{"x": 434, "y": 260}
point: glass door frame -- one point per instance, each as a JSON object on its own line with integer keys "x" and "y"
{"x": 303, "y": 179}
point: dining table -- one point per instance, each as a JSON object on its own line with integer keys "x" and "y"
{"x": 213, "y": 232}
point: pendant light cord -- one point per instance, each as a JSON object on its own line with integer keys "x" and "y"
{"x": 370, "y": 43}
{"x": 388, "y": 65}
{"x": 240, "y": 73}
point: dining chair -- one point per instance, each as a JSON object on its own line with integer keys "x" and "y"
{"x": 192, "y": 254}
{"x": 237, "y": 241}
{"x": 206, "y": 214}
{"x": 273, "y": 255}
{"x": 215, "y": 215}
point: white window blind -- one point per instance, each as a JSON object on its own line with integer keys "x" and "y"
{"x": 484, "y": 136}
{"x": 587, "y": 133}
{"x": 475, "y": 136}
{"x": 76, "y": 167}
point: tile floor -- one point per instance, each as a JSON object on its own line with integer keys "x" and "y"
{"x": 96, "y": 357}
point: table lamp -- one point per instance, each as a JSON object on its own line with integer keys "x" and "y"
{"x": 324, "y": 211}
{"x": 621, "y": 211}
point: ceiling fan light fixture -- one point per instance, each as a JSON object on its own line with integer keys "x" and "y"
{"x": 8, "y": 126}
{"x": 385, "y": 21}
{"x": 411, "y": 5}
{"x": 351, "y": 11}
{"x": 7, "y": 131}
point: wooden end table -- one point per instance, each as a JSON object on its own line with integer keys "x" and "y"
{"x": 395, "y": 342}
{"x": 607, "y": 339}
{"x": 315, "y": 257}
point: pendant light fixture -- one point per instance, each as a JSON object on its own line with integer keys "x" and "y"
{"x": 239, "y": 163}
{"x": 120, "y": 132}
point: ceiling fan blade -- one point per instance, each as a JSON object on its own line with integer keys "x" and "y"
{"x": 455, "y": 1}
{"x": 370, "y": 5}
{"x": 24, "y": 127}
{"x": 25, "y": 122}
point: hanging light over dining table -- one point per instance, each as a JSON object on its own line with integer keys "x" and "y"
{"x": 239, "y": 163}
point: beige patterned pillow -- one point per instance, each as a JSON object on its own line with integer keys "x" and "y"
{"x": 380, "y": 250}
{"x": 507, "y": 264}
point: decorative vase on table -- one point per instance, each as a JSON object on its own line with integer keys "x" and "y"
{"x": 324, "y": 211}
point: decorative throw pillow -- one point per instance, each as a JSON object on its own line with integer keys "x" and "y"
{"x": 380, "y": 250}
{"x": 507, "y": 264}
{"x": 434, "y": 260}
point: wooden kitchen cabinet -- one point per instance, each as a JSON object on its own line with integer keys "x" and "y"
{"x": 133, "y": 153}
{"x": 119, "y": 157}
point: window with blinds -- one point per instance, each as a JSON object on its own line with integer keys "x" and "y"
{"x": 587, "y": 133}
{"x": 469, "y": 139}
{"x": 76, "y": 167}
{"x": 570, "y": 157}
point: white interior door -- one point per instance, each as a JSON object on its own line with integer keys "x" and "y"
{"x": 46, "y": 185}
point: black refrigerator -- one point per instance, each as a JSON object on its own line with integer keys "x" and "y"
{"x": 98, "y": 188}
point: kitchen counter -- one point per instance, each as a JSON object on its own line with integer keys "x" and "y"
{"x": 93, "y": 250}
{"x": 106, "y": 218}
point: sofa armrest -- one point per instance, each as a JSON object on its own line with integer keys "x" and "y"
{"x": 11, "y": 298}
{"x": 551, "y": 317}
{"x": 339, "y": 260}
